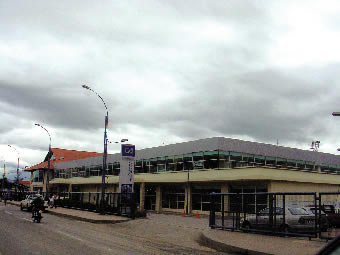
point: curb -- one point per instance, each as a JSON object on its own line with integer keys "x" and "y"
{"x": 77, "y": 217}
{"x": 222, "y": 247}
{"x": 85, "y": 219}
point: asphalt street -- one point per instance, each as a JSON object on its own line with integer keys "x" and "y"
{"x": 58, "y": 235}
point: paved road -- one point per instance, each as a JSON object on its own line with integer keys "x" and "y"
{"x": 57, "y": 235}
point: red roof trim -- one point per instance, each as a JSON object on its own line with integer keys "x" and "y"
{"x": 63, "y": 155}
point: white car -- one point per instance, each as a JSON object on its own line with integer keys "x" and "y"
{"x": 296, "y": 219}
{"x": 27, "y": 203}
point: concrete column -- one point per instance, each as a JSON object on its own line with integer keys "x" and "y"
{"x": 45, "y": 178}
{"x": 318, "y": 168}
{"x": 188, "y": 192}
{"x": 142, "y": 197}
{"x": 31, "y": 186}
{"x": 225, "y": 189}
{"x": 158, "y": 199}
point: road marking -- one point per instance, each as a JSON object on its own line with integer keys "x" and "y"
{"x": 8, "y": 212}
{"x": 70, "y": 236}
{"x": 26, "y": 219}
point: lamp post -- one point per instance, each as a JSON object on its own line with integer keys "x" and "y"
{"x": 102, "y": 202}
{"x": 187, "y": 207}
{"x": 3, "y": 176}
{"x": 18, "y": 162}
{"x": 49, "y": 158}
{"x": 336, "y": 114}
{"x": 315, "y": 146}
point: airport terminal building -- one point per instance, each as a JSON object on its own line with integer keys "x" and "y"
{"x": 170, "y": 177}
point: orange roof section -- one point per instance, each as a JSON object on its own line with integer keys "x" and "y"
{"x": 27, "y": 183}
{"x": 63, "y": 155}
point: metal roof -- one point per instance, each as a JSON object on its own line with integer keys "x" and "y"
{"x": 211, "y": 144}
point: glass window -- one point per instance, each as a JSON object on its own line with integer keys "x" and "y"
{"x": 170, "y": 163}
{"x": 116, "y": 168}
{"x": 270, "y": 161}
{"x": 153, "y": 165}
{"x": 188, "y": 163}
{"x": 96, "y": 170}
{"x": 161, "y": 164}
{"x": 179, "y": 166}
{"x": 298, "y": 211}
{"x": 173, "y": 196}
{"x": 75, "y": 172}
{"x": 198, "y": 161}
{"x": 146, "y": 166}
{"x": 259, "y": 160}
{"x": 291, "y": 163}
{"x": 109, "y": 169}
{"x": 309, "y": 165}
{"x": 224, "y": 159}
{"x": 281, "y": 162}
{"x": 201, "y": 197}
{"x": 248, "y": 159}
{"x": 332, "y": 168}
{"x": 82, "y": 172}
{"x": 138, "y": 166}
{"x": 235, "y": 156}
{"x": 210, "y": 159}
{"x": 301, "y": 164}
{"x": 38, "y": 176}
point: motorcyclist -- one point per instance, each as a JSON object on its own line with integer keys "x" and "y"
{"x": 37, "y": 207}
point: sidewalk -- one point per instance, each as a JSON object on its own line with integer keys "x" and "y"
{"x": 257, "y": 244}
{"x": 81, "y": 215}
{"x": 239, "y": 242}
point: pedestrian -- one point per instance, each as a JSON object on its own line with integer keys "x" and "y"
{"x": 56, "y": 200}
{"x": 52, "y": 201}
{"x": 5, "y": 198}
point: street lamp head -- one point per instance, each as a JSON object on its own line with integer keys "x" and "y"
{"x": 124, "y": 140}
{"x": 37, "y": 124}
{"x": 85, "y": 86}
{"x": 336, "y": 113}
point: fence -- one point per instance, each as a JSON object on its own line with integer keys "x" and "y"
{"x": 329, "y": 205}
{"x": 274, "y": 213}
{"x": 123, "y": 204}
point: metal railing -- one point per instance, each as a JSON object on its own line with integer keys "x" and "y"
{"x": 288, "y": 214}
{"x": 123, "y": 204}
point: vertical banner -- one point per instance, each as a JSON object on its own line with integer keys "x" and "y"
{"x": 127, "y": 168}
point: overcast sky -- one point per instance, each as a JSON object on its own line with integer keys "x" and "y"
{"x": 169, "y": 71}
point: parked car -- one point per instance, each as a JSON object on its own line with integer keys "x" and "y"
{"x": 324, "y": 217}
{"x": 27, "y": 203}
{"x": 327, "y": 211}
{"x": 296, "y": 220}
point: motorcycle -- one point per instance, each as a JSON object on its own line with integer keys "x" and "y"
{"x": 36, "y": 215}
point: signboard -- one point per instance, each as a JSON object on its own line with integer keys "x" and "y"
{"x": 127, "y": 168}
{"x": 128, "y": 150}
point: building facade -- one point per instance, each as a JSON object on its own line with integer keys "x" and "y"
{"x": 174, "y": 177}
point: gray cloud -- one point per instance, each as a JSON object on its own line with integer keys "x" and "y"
{"x": 167, "y": 70}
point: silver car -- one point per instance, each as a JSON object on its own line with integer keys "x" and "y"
{"x": 296, "y": 220}
{"x": 27, "y": 203}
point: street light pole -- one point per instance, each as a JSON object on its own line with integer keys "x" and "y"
{"x": 336, "y": 114}
{"x": 315, "y": 146}
{"x": 187, "y": 207}
{"x": 102, "y": 200}
{"x": 18, "y": 163}
{"x": 49, "y": 158}
{"x": 3, "y": 176}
